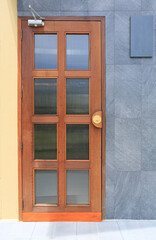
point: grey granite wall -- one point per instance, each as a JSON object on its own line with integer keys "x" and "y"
{"x": 130, "y": 104}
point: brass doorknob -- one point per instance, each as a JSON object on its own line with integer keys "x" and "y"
{"x": 97, "y": 119}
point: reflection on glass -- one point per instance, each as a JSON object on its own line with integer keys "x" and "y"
{"x": 45, "y": 96}
{"x": 77, "y": 187}
{"x": 45, "y": 187}
{"x": 45, "y": 141}
{"x": 45, "y": 51}
{"x": 77, "y": 96}
{"x": 77, "y": 142}
{"x": 77, "y": 51}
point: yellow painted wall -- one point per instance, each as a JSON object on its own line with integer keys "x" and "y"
{"x": 8, "y": 110}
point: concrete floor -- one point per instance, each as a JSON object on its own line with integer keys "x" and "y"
{"x": 106, "y": 230}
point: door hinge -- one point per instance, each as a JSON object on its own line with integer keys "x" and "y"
{"x": 21, "y": 146}
{"x": 21, "y": 93}
{"x": 22, "y": 204}
{"x": 21, "y": 34}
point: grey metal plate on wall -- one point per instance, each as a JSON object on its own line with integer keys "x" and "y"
{"x": 142, "y": 36}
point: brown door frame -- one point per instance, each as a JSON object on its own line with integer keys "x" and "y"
{"x": 103, "y": 143}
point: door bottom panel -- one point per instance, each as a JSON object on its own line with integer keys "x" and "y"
{"x": 61, "y": 217}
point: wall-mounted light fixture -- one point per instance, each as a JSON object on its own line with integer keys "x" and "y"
{"x": 35, "y": 22}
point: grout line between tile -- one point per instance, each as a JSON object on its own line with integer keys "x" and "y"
{"x": 32, "y": 231}
{"x": 120, "y": 230}
{"x": 76, "y": 231}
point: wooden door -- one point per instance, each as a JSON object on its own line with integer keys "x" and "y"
{"x": 61, "y": 121}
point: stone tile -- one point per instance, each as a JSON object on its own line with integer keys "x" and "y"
{"x": 149, "y": 91}
{"x": 74, "y": 5}
{"x": 128, "y": 91}
{"x": 100, "y": 5}
{"x": 148, "y": 5}
{"x": 46, "y": 5}
{"x": 24, "y": 13}
{"x": 122, "y": 5}
{"x": 74, "y": 13}
{"x": 4, "y": 226}
{"x": 23, "y": 5}
{"x": 49, "y": 13}
{"x": 98, "y": 13}
{"x": 110, "y": 30}
{"x": 109, "y": 230}
{"x": 148, "y": 195}
{"x": 148, "y": 144}
{"x": 109, "y": 33}
{"x": 110, "y": 167}
{"x": 42, "y": 13}
{"x": 65, "y": 231}
{"x": 109, "y": 204}
{"x": 148, "y": 228}
{"x": 127, "y": 144}
{"x": 122, "y": 39}
{"x": 110, "y": 102}
{"x": 131, "y": 230}
{"x": 110, "y": 140}
{"x": 127, "y": 195}
{"x": 43, "y": 230}
{"x": 151, "y": 60}
{"x": 87, "y": 231}
{"x": 17, "y": 230}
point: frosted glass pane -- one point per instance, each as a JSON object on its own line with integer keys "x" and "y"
{"x": 45, "y": 91}
{"x": 45, "y": 141}
{"x": 77, "y": 187}
{"x": 46, "y": 186}
{"x": 77, "y": 96}
{"x": 77, "y": 142}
